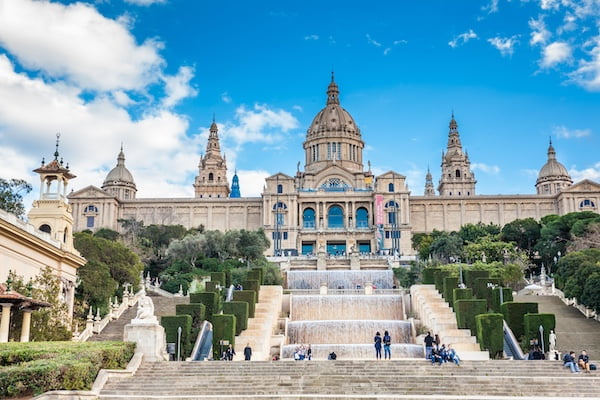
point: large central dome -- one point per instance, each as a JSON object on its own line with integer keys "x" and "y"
{"x": 333, "y": 137}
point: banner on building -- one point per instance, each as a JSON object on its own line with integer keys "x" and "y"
{"x": 379, "y": 209}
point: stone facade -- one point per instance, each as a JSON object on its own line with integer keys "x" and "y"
{"x": 335, "y": 204}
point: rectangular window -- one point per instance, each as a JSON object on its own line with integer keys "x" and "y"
{"x": 90, "y": 222}
{"x": 285, "y": 235}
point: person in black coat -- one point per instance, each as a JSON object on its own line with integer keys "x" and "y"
{"x": 377, "y": 340}
{"x": 247, "y": 352}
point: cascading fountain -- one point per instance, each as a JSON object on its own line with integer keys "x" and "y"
{"x": 346, "y": 323}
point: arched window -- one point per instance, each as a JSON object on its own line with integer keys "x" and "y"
{"x": 308, "y": 218}
{"x": 362, "y": 218}
{"x": 458, "y": 173}
{"x": 46, "y": 228}
{"x": 90, "y": 209}
{"x": 391, "y": 187}
{"x": 280, "y": 188}
{"x": 211, "y": 177}
{"x": 587, "y": 203}
{"x": 335, "y": 217}
{"x": 392, "y": 208}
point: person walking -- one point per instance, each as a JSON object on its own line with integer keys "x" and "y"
{"x": 387, "y": 342}
{"x": 377, "y": 340}
{"x": 247, "y": 352}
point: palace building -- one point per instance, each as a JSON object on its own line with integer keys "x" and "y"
{"x": 335, "y": 204}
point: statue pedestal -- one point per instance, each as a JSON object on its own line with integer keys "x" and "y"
{"x": 149, "y": 337}
{"x": 354, "y": 261}
{"x": 321, "y": 261}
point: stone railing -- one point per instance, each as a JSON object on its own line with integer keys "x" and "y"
{"x": 96, "y": 324}
{"x": 588, "y": 312}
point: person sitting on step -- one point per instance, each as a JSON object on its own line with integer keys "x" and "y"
{"x": 584, "y": 361}
{"x": 451, "y": 355}
{"x": 569, "y": 362}
{"x": 436, "y": 356}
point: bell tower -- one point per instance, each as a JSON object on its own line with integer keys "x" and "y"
{"x": 457, "y": 178}
{"x": 211, "y": 180}
{"x": 51, "y": 213}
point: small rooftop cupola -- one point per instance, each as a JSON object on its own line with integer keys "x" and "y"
{"x": 457, "y": 178}
{"x": 429, "y": 188}
{"x": 51, "y": 213}
{"x": 235, "y": 187}
{"x": 211, "y": 180}
{"x": 553, "y": 176}
{"x": 119, "y": 181}
{"x": 333, "y": 93}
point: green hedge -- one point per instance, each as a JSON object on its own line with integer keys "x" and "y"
{"x": 531, "y": 324}
{"x": 212, "y": 286}
{"x": 218, "y": 277}
{"x": 28, "y": 369}
{"x": 210, "y": 301}
{"x": 438, "y": 279}
{"x": 256, "y": 274}
{"x": 514, "y": 313}
{"x": 461, "y": 294}
{"x": 466, "y": 310}
{"x": 196, "y": 310}
{"x": 481, "y": 289}
{"x": 251, "y": 284}
{"x": 249, "y": 296}
{"x": 240, "y": 310}
{"x": 171, "y": 323}
{"x": 507, "y": 295}
{"x": 428, "y": 275}
{"x": 490, "y": 333}
{"x": 471, "y": 275}
{"x": 450, "y": 283}
{"x": 223, "y": 329}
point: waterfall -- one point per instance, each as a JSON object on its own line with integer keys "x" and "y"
{"x": 340, "y": 279}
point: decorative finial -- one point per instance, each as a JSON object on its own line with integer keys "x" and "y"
{"x": 332, "y": 75}
{"x": 213, "y": 117}
{"x": 57, "y": 142}
{"x": 121, "y": 146}
{"x": 550, "y": 140}
{"x": 43, "y": 161}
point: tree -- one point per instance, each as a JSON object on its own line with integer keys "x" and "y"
{"x": 447, "y": 247}
{"x": 587, "y": 238}
{"x": 523, "y": 232}
{"x": 107, "y": 234}
{"x": 487, "y": 248}
{"x": 188, "y": 250}
{"x": 110, "y": 265}
{"x": 591, "y": 291}
{"x": 472, "y": 232}
{"x": 11, "y": 196}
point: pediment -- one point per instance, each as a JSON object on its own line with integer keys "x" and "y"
{"x": 90, "y": 192}
{"x": 585, "y": 185}
{"x": 391, "y": 175}
{"x": 280, "y": 175}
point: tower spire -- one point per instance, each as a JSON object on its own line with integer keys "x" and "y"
{"x": 57, "y": 143}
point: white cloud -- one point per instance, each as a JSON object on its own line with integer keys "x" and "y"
{"x": 386, "y": 51}
{"x": 462, "y": 38}
{"x": 531, "y": 173}
{"x": 311, "y": 37}
{"x": 178, "y": 87}
{"x": 488, "y": 169}
{"x": 297, "y": 108}
{"x": 566, "y": 133}
{"x": 587, "y": 74}
{"x": 372, "y": 41}
{"x": 76, "y": 43}
{"x": 569, "y": 23}
{"x": 550, "y": 4}
{"x": 492, "y": 7}
{"x": 539, "y": 33}
{"x": 226, "y": 98}
{"x": 504, "y": 44}
{"x": 401, "y": 41}
{"x": 555, "y": 53}
{"x": 332, "y": 40}
{"x": 592, "y": 173}
{"x": 145, "y": 2}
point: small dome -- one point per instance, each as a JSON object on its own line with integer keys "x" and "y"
{"x": 119, "y": 174}
{"x": 552, "y": 168}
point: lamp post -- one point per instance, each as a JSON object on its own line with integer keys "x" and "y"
{"x": 178, "y": 343}
{"x": 542, "y": 338}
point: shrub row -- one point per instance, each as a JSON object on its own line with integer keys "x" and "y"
{"x": 37, "y": 367}
{"x": 171, "y": 324}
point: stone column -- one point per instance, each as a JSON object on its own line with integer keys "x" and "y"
{"x": 5, "y": 322}
{"x": 25, "y": 328}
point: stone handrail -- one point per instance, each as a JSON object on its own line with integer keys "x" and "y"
{"x": 588, "y": 312}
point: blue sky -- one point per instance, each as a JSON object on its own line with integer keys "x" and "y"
{"x": 150, "y": 74}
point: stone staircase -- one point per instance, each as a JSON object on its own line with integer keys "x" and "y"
{"x": 162, "y": 306}
{"x": 356, "y": 379}
{"x": 435, "y": 313}
{"x": 259, "y": 333}
{"x": 573, "y": 331}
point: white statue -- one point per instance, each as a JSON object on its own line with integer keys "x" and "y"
{"x": 145, "y": 311}
{"x": 552, "y": 340}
